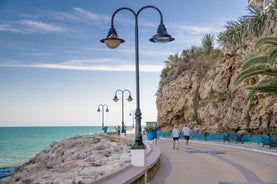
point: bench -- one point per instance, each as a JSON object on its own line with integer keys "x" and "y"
{"x": 233, "y": 137}
{"x": 271, "y": 141}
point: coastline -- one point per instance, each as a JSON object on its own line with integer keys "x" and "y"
{"x": 20, "y": 144}
{"x": 251, "y": 147}
{"x": 83, "y": 158}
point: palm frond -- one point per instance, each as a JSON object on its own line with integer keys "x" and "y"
{"x": 249, "y": 96}
{"x": 256, "y": 19}
{"x": 255, "y": 60}
{"x": 265, "y": 89}
{"x": 267, "y": 40}
{"x": 261, "y": 65}
{"x": 272, "y": 58}
{"x": 256, "y": 70}
{"x": 222, "y": 38}
{"x": 266, "y": 86}
{"x": 208, "y": 43}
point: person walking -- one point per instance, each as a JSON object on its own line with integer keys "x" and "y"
{"x": 155, "y": 134}
{"x": 186, "y": 133}
{"x": 125, "y": 130}
{"x": 175, "y": 136}
{"x": 118, "y": 130}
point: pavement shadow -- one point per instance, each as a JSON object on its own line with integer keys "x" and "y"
{"x": 164, "y": 171}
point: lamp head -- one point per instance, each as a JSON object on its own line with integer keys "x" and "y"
{"x": 112, "y": 40}
{"x": 107, "y": 110}
{"x": 115, "y": 99}
{"x": 129, "y": 98}
{"x": 98, "y": 110}
{"x": 161, "y": 36}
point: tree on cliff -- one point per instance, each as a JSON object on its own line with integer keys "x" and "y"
{"x": 171, "y": 63}
{"x": 265, "y": 64}
{"x": 246, "y": 26}
{"x": 208, "y": 44}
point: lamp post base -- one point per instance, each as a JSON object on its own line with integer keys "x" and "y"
{"x": 138, "y": 145}
{"x": 138, "y": 157}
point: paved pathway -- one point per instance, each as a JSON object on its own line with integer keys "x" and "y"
{"x": 203, "y": 163}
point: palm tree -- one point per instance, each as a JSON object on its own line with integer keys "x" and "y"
{"x": 261, "y": 65}
{"x": 172, "y": 60}
{"x": 171, "y": 64}
{"x": 237, "y": 31}
{"x": 208, "y": 43}
{"x": 256, "y": 21}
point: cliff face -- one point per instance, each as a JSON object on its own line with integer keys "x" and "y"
{"x": 204, "y": 95}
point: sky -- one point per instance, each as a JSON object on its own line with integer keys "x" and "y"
{"x": 54, "y": 71}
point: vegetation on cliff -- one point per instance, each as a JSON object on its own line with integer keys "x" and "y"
{"x": 261, "y": 65}
{"x": 236, "y": 34}
{"x": 206, "y": 86}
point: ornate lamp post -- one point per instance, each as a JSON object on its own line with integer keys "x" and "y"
{"x": 113, "y": 41}
{"x": 98, "y": 110}
{"x": 115, "y": 99}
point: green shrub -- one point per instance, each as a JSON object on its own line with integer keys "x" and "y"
{"x": 148, "y": 128}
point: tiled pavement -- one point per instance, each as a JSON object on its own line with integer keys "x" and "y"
{"x": 203, "y": 163}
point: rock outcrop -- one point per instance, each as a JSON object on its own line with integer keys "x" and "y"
{"x": 205, "y": 97}
{"x": 80, "y": 159}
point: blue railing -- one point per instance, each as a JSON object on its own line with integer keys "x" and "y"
{"x": 246, "y": 138}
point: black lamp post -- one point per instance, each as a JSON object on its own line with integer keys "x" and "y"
{"x": 113, "y": 41}
{"x": 115, "y": 99}
{"x": 98, "y": 110}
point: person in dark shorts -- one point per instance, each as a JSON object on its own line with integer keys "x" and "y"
{"x": 155, "y": 134}
{"x": 186, "y": 133}
{"x": 175, "y": 136}
{"x": 118, "y": 130}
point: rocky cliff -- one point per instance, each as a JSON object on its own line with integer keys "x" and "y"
{"x": 204, "y": 95}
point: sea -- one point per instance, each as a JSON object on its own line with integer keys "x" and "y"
{"x": 19, "y": 144}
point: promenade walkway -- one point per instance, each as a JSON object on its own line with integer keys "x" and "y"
{"x": 208, "y": 163}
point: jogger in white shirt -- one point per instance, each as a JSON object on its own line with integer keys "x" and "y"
{"x": 175, "y": 136}
{"x": 186, "y": 133}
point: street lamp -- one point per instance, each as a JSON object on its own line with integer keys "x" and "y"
{"x": 115, "y": 99}
{"x": 113, "y": 41}
{"x": 98, "y": 110}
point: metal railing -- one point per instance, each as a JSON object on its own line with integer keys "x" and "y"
{"x": 246, "y": 138}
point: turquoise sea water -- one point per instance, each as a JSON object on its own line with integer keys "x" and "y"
{"x": 20, "y": 144}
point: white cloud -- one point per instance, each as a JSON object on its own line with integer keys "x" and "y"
{"x": 132, "y": 51}
{"x": 66, "y": 66}
{"x": 38, "y": 26}
{"x": 84, "y": 14}
{"x": 8, "y": 28}
{"x": 196, "y": 29}
{"x": 59, "y": 15}
{"x": 39, "y": 54}
{"x": 191, "y": 35}
{"x": 34, "y": 24}
{"x": 31, "y": 26}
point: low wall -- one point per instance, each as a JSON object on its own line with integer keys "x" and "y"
{"x": 136, "y": 175}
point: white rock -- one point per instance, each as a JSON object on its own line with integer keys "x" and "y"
{"x": 80, "y": 159}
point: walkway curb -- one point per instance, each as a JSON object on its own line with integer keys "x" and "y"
{"x": 137, "y": 175}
